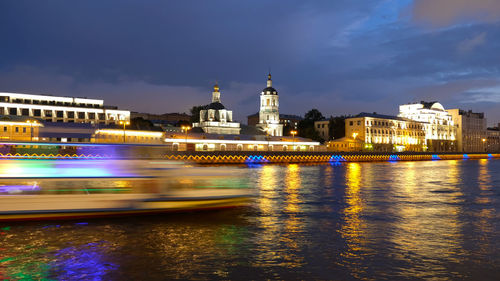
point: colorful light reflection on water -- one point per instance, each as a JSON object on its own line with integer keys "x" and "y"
{"x": 353, "y": 221}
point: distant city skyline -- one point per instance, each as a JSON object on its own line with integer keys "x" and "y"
{"x": 341, "y": 57}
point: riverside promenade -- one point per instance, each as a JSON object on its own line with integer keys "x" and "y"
{"x": 32, "y": 150}
{"x": 241, "y": 157}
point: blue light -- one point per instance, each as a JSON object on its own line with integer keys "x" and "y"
{"x": 83, "y": 262}
{"x": 337, "y": 158}
{"x": 436, "y": 157}
{"x": 256, "y": 159}
{"x": 394, "y": 158}
{"x": 490, "y": 155}
{"x": 466, "y": 156}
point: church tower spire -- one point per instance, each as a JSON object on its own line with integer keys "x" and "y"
{"x": 216, "y": 93}
{"x": 269, "y": 81}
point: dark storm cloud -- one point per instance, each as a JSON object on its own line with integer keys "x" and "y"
{"x": 163, "y": 42}
{"x": 338, "y": 56}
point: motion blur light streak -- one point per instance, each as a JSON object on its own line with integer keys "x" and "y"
{"x": 62, "y": 169}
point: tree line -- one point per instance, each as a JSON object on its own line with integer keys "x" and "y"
{"x": 336, "y": 126}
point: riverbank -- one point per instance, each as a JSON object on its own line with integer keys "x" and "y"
{"x": 316, "y": 157}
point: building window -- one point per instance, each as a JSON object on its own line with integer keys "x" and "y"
{"x": 17, "y": 129}
{"x": 71, "y": 114}
{"x": 351, "y": 123}
{"x": 91, "y": 115}
{"x": 24, "y": 129}
{"x": 59, "y": 114}
{"x": 5, "y": 128}
{"x": 12, "y": 111}
{"x": 37, "y": 112}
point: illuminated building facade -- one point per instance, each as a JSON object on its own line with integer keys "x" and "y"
{"x": 386, "y": 133}
{"x": 216, "y": 119}
{"x": 440, "y": 131}
{"x": 347, "y": 144}
{"x": 19, "y": 128}
{"x": 269, "y": 116}
{"x": 471, "y": 130}
{"x": 60, "y": 109}
{"x": 207, "y": 142}
{"x": 127, "y": 136}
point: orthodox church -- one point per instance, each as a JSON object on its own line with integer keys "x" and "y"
{"x": 269, "y": 116}
{"x": 216, "y": 119}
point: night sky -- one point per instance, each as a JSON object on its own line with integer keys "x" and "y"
{"x": 339, "y": 56}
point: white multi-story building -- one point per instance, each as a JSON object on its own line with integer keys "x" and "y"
{"x": 216, "y": 119}
{"x": 440, "y": 132}
{"x": 471, "y": 130}
{"x": 61, "y": 109}
{"x": 381, "y": 133}
{"x": 269, "y": 116}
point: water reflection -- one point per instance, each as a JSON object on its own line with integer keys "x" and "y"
{"x": 427, "y": 233}
{"x": 353, "y": 228}
{"x": 355, "y": 221}
{"x": 292, "y": 236}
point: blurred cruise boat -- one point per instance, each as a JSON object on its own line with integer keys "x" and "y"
{"x": 55, "y": 189}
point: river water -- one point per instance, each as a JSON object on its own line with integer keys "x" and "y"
{"x": 424, "y": 220}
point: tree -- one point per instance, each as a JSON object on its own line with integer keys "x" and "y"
{"x": 195, "y": 113}
{"x": 336, "y": 127}
{"x": 140, "y": 123}
{"x": 314, "y": 115}
{"x": 183, "y": 123}
{"x": 306, "y": 126}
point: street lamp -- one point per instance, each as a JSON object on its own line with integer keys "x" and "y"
{"x": 293, "y": 133}
{"x": 267, "y": 137}
{"x": 31, "y": 128}
{"x": 186, "y": 129}
{"x": 484, "y": 142}
{"x": 124, "y": 123}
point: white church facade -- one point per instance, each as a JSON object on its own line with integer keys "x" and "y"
{"x": 216, "y": 119}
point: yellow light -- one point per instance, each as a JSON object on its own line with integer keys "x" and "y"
{"x": 129, "y": 133}
{"x": 354, "y": 135}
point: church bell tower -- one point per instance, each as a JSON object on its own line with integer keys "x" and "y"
{"x": 269, "y": 116}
